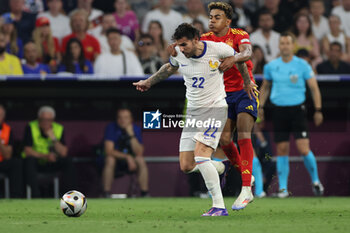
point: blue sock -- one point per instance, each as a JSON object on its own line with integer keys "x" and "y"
{"x": 311, "y": 166}
{"x": 283, "y": 172}
{"x": 257, "y": 173}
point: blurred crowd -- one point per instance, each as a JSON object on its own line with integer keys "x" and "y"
{"x": 130, "y": 37}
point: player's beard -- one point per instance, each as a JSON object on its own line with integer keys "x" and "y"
{"x": 191, "y": 53}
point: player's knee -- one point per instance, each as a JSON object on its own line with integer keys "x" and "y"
{"x": 186, "y": 167}
{"x": 282, "y": 150}
{"x": 304, "y": 152}
{"x": 225, "y": 140}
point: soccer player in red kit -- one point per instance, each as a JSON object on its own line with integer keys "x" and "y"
{"x": 241, "y": 95}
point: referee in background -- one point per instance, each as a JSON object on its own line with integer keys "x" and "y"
{"x": 287, "y": 77}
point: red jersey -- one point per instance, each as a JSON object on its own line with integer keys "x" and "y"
{"x": 90, "y": 44}
{"x": 235, "y": 37}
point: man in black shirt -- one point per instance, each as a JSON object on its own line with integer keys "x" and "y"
{"x": 334, "y": 65}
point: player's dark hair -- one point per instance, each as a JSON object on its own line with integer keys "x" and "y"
{"x": 336, "y": 43}
{"x": 113, "y": 30}
{"x": 225, "y": 7}
{"x": 286, "y": 34}
{"x": 186, "y": 30}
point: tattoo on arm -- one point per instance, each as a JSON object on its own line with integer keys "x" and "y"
{"x": 245, "y": 53}
{"x": 243, "y": 69}
{"x": 163, "y": 73}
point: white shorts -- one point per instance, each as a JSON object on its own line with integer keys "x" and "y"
{"x": 209, "y": 133}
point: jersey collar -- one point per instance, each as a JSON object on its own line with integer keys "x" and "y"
{"x": 204, "y": 50}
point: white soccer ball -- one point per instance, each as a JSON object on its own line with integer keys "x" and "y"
{"x": 73, "y": 203}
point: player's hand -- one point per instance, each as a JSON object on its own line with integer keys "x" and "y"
{"x": 129, "y": 129}
{"x": 227, "y": 63}
{"x": 318, "y": 118}
{"x": 142, "y": 85}
{"x": 251, "y": 89}
{"x": 51, "y": 157}
{"x": 131, "y": 163}
{"x": 171, "y": 49}
{"x": 50, "y": 134}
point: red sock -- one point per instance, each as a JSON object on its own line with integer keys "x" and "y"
{"x": 232, "y": 154}
{"x": 247, "y": 154}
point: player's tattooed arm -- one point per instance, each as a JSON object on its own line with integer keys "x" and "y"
{"x": 249, "y": 86}
{"x": 163, "y": 73}
{"x": 245, "y": 53}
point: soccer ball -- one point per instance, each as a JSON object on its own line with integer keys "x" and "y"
{"x": 73, "y": 203}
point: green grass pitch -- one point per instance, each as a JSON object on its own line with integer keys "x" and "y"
{"x": 172, "y": 215}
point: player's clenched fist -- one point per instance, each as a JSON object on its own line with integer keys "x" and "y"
{"x": 142, "y": 85}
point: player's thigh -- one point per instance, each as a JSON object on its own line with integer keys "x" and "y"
{"x": 282, "y": 148}
{"x": 226, "y": 135}
{"x": 187, "y": 162}
{"x": 203, "y": 150}
{"x": 303, "y": 145}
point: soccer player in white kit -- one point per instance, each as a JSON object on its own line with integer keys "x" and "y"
{"x": 198, "y": 62}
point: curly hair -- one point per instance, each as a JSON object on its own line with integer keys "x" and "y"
{"x": 225, "y": 7}
{"x": 186, "y": 30}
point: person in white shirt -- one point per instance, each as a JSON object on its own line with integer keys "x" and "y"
{"x": 108, "y": 21}
{"x": 320, "y": 25}
{"x": 169, "y": 18}
{"x": 196, "y": 11}
{"x": 94, "y": 14}
{"x": 198, "y": 62}
{"x": 265, "y": 37}
{"x": 117, "y": 62}
{"x": 343, "y": 11}
{"x": 59, "y": 23}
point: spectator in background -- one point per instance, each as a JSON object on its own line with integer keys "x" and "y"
{"x": 31, "y": 66}
{"x": 336, "y": 35}
{"x": 282, "y": 16}
{"x": 196, "y": 11}
{"x": 80, "y": 24}
{"x": 123, "y": 144}
{"x": 147, "y": 54}
{"x": 47, "y": 46}
{"x": 9, "y": 165}
{"x": 168, "y": 18}
{"x": 34, "y": 6}
{"x": 45, "y": 151}
{"x": 126, "y": 19}
{"x": 320, "y": 25}
{"x": 334, "y": 64}
{"x": 117, "y": 62}
{"x": 302, "y": 29}
{"x": 9, "y": 64}
{"x": 242, "y": 16}
{"x": 258, "y": 60}
{"x": 343, "y": 11}
{"x": 94, "y": 15}
{"x": 14, "y": 45}
{"x": 265, "y": 37}
{"x": 108, "y": 21}
{"x": 74, "y": 60}
{"x": 59, "y": 22}
{"x": 155, "y": 29}
{"x": 24, "y": 22}
{"x": 199, "y": 25}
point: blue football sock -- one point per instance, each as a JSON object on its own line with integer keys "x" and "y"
{"x": 283, "y": 172}
{"x": 311, "y": 166}
{"x": 257, "y": 173}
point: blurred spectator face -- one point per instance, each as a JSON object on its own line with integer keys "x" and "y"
{"x": 30, "y": 53}
{"x": 108, "y": 21}
{"x": 286, "y": 45}
{"x": 120, "y": 5}
{"x": 335, "y": 53}
{"x": 317, "y": 8}
{"x": 238, "y": 3}
{"x": 124, "y": 118}
{"x": 302, "y": 24}
{"x": 155, "y": 30}
{"x": 85, "y": 3}
{"x": 54, "y": 5}
{"x": 166, "y": 4}
{"x": 272, "y": 4}
{"x": 146, "y": 46}
{"x": 218, "y": 20}
{"x": 334, "y": 23}
{"x": 8, "y": 28}
{"x": 114, "y": 41}
{"x": 258, "y": 54}
{"x": 2, "y": 43}
{"x": 2, "y": 114}
{"x": 45, "y": 121}
{"x": 346, "y": 5}
{"x": 79, "y": 23}
{"x": 16, "y": 5}
{"x": 194, "y": 6}
{"x": 200, "y": 27}
{"x": 75, "y": 50}
{"x": 266, "y": 22}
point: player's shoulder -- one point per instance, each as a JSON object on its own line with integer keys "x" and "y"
{"x": 238, "y": 31}
{"x": 207, "y": 35}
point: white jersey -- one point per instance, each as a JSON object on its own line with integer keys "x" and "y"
{"x": 203, "y": 80}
